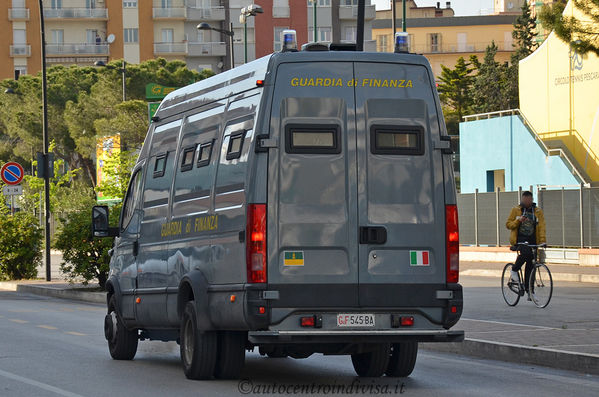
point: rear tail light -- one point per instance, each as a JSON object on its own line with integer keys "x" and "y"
{"x": 307, "y": 321}
{"x": 407, "y": 321}
{"x": 256, "y": 243}
{"x": 452, "y": 239}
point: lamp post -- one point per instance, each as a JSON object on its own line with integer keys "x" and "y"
{"x": 46, "y": 145}
{"x": 246, "y": 12}
{"x": 230, "y": 33}
{"x": 314, "y": 3}
{"x": 123, "y": 71}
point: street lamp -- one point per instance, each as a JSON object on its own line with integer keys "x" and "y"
{"x": 314, "y": 2}
{"x": 46, "y": 157}
{"x": 123, "y": 71}
{"x": 246, "y": 12}
{"x": 230, "y": 33}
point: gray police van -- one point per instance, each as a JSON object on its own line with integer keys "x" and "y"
{"x": 302, "y": 203}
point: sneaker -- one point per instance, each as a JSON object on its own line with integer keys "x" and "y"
{"x": 529, "y": 298}
{"x": 514, "y": 276}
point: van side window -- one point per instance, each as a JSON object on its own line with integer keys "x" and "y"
{"x": 131, "y": 200}
{"x": 235, "y": 145}
{"x": 396, "y": 140}
{"x": 312, "y": 139}
{"x": 160, "y": 165}
{"x": 187, "y": 158}
{"x": 204, "y": 153}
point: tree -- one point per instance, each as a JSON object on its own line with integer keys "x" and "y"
{"x": 490, "y": 85}
{"x": 524, "y": 34}
{"x": 77, "y": 98}
{"x": 582, "y": 36}
{"x": 455, "y": 89}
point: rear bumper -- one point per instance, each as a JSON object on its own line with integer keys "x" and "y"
{"x": 370, "y": 336}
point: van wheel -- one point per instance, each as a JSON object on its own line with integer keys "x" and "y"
{"x": 231, "y": 354}
{"x": 122, "y": 343}
{"x": 372, "y": 363}
{"x": 198, "y": 349}
{"x": 402, "y": 359}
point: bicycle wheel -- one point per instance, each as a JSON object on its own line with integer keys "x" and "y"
{"x": 541, "y": 285}
{"x": 509, "y": 288}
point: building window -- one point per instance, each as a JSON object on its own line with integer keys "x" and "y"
{"x": 167, "y": 35}
{"x": 349, "y": 2}
{"x": 57, "y": 36}
{"x": 131, "y": 35}
{"x": 324, "y": 34}
{"x": 278, "y": 43}
{"x": 280, "y": 8}
{"x": 90, "y": 4}
{"x": 130, "y": 4}
{"x": 434, "y": 42}
{"x": 351, "y": 32}
{"x": 22, "y": 70}
{"x": 324, "y": 3}
{"x": 167, "y": 3}
{"x": 382, "y": 42}
{"x": 56, "y": 4}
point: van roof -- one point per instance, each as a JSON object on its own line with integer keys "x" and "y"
{"x": 244, "y": 77}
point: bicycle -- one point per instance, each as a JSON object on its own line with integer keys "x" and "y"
{"x": 540, "y": 282}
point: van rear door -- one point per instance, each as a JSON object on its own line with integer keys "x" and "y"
{"x": 313, "y": 240}
{"x": 357, "y": 215}
{"x": 400, "y": 187}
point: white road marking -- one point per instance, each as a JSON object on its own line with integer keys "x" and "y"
{"x": 506, "y": 323}
{"x": 37, "y": 384}
{"x": 16, "y": 320}
{"x": 75, "y": 333}
{"x": 47, "y": 327}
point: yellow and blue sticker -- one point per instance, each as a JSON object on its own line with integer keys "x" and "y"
{"x": 293, "y": 258}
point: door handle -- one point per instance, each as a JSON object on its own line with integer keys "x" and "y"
{"x": 373, "y": 235}
{"x": 135, "y": 248}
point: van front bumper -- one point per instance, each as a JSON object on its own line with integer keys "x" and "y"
{"x": 354, "y": 336}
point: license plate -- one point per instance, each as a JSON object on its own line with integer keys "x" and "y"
{"x": 355, "y": 320}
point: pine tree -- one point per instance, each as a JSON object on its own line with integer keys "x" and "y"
{"x": 489, "y": 88}
{"x": 455, "y": 87}
{"x": 583, "y": 36}
{"x": 524, "y": 34}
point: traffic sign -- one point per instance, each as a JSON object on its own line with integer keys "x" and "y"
{"x": 12, "y": 190}
{"x": 12, "y": 173}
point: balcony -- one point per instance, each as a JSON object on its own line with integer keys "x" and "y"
{"x": 206, "y": 14}
{"x": 451, "y": 48}
{"x": 18, "y": 14}
{"x": 170, "y": 48}
{"x": 76, "y": 13}
{"x": 280, "y": 12}
{"x": 170, "y": 13}
{"x": 351, "y": 12}
{"x": 77, "y": 49}
{"x": 20, "y": 50}
{"x": 217, "y": 49}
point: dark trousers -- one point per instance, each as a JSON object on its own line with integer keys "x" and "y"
{"x": 526, "y": 255}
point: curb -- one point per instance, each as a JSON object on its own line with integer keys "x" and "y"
{"x": 62, "y": 293}
{"x": 558, "y": 359}
{"x": 580, "y": 278}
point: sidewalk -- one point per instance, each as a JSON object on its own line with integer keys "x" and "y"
{"x": 575, "y": 273}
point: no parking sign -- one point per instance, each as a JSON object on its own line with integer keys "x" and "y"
{"x": 12, "y": 173}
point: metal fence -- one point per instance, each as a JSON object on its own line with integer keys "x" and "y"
{"x": 571, "y": 215}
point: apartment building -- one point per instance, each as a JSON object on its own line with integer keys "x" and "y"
{"x": 82, "y": 32}
{"x": 442, "y": 40}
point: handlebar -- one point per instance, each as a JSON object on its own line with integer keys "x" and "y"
{"x": 517, "y": 246}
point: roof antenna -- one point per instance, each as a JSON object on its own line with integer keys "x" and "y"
{"x": 360, "y": 30}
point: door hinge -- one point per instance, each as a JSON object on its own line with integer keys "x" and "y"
{"x": 444, "y": 144}
{"x": 264, "y": 142}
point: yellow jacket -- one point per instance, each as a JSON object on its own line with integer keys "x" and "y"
{"x": 513, "y": 224}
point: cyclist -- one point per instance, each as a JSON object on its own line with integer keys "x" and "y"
{"x": 527, "y": 225}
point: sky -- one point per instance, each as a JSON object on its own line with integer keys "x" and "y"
{"x": 461, "y": 7}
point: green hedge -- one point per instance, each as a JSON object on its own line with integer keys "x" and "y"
{"x": 20, "y": 246}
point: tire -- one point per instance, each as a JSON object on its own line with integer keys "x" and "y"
{"x": 373, "y": 363}
{"x": 509, "y": 290}
{"x": 541, "y": 286}
{"x": 402, "y": 359}
{"x": 231, "y": 354}
{"x": 198, "y": 349}
{"x": 122, "y": 343}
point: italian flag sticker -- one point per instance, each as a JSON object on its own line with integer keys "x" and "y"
{"x": 419, "y": 258}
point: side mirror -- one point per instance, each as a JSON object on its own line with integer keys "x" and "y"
{"x": 100, "y": 225}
